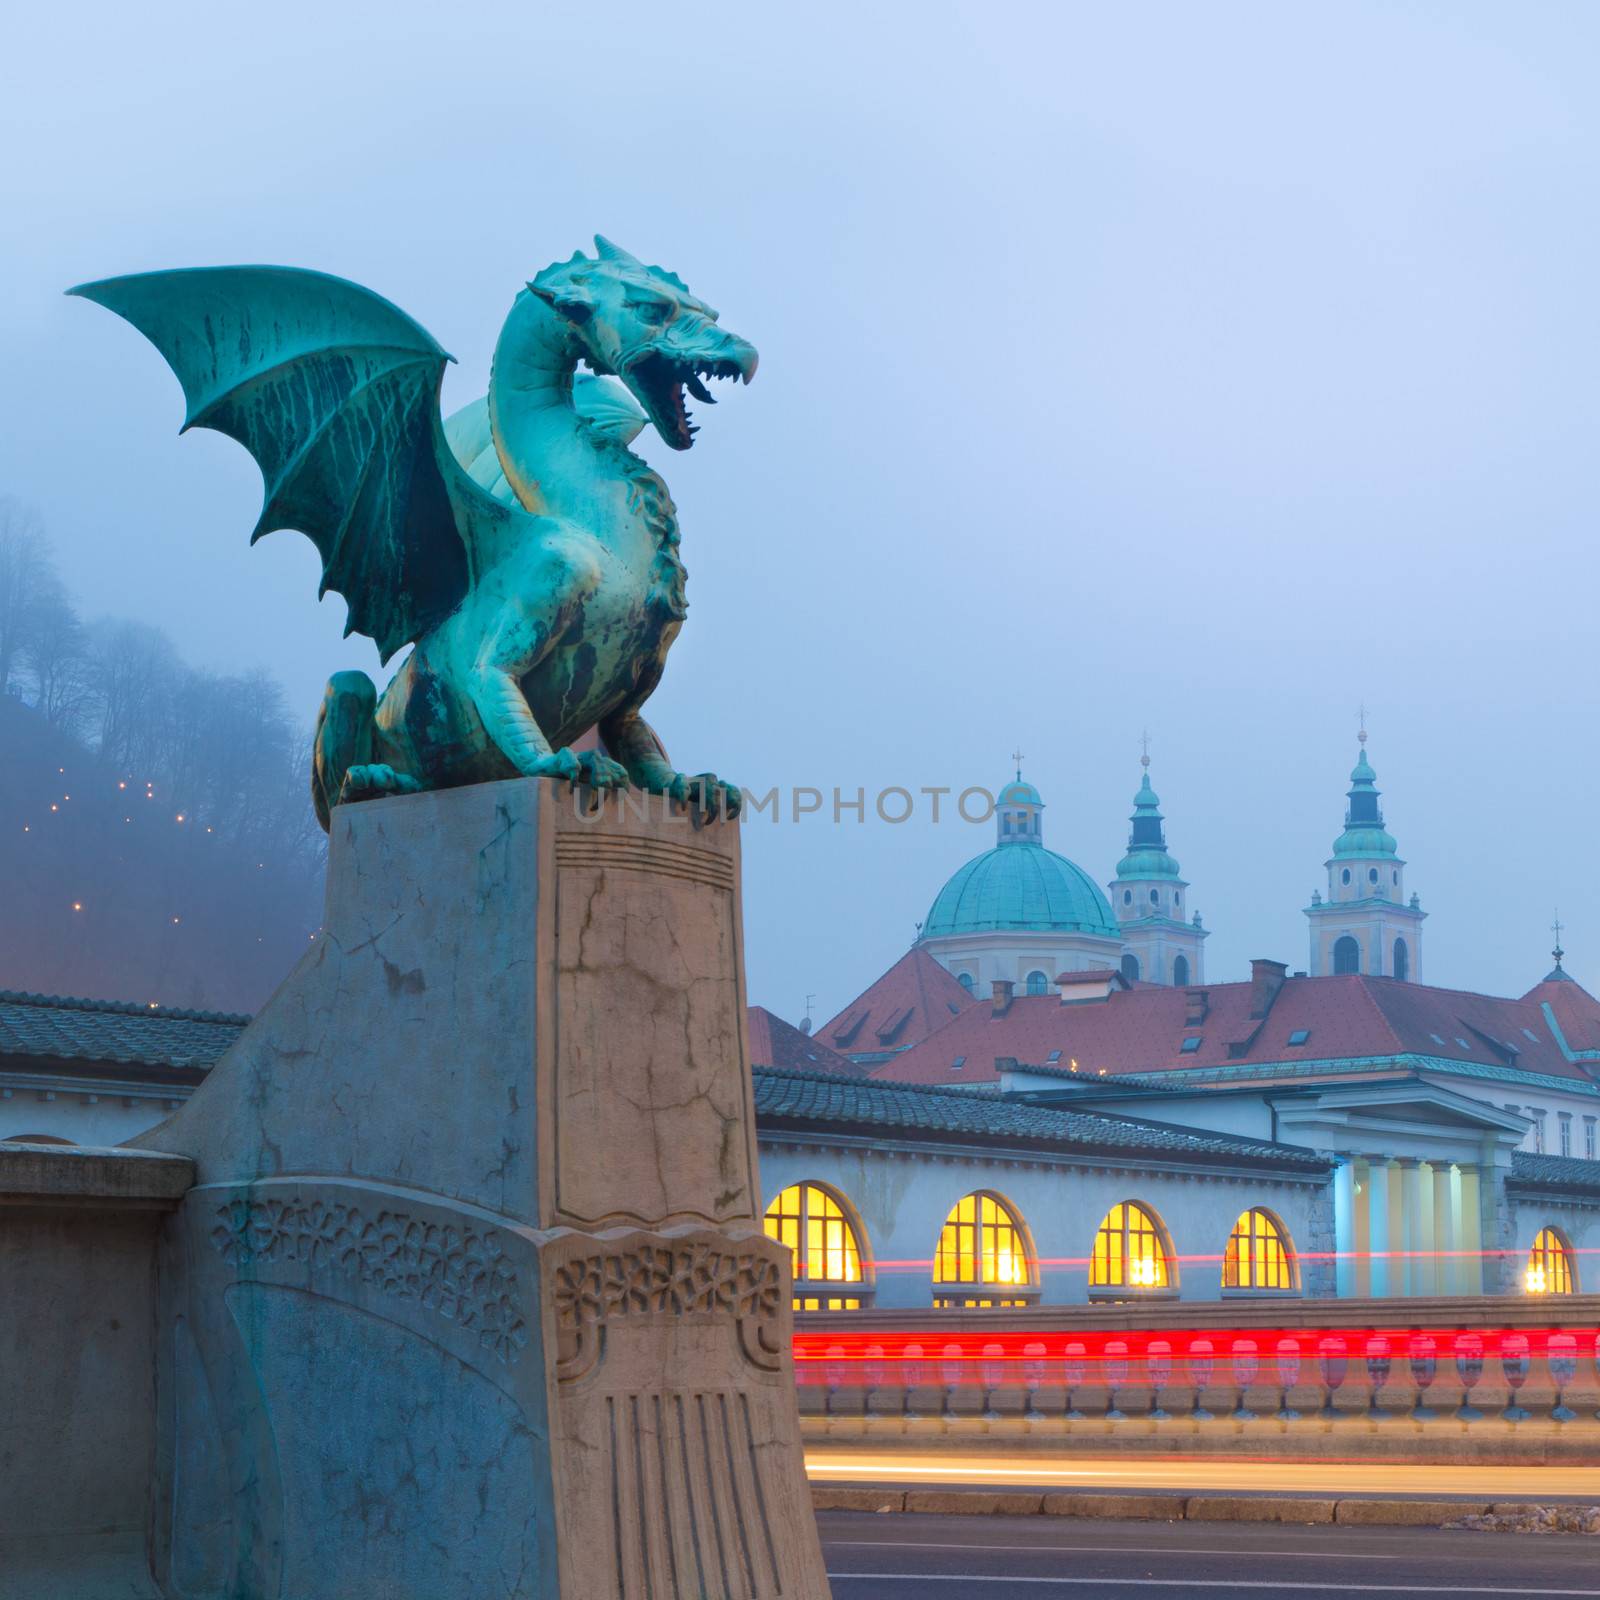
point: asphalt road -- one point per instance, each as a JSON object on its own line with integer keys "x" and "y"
{"x": 1200, "y": 1474}
{"x": 1036, "y": 1558}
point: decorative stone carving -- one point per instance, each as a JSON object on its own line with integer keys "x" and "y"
{"x": 680, "y": 1279}
{"x": 461, "y": 1274}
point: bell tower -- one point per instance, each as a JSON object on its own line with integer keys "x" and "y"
{"x": 1150, "y": 900}
{"x": 1366, "y": 924}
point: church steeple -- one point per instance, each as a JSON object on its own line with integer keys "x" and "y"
{"x": 1147, "y": 895}
{"x": 1366, "y": 924}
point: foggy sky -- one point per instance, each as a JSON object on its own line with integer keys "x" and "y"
{"x": 1211, "y": 369}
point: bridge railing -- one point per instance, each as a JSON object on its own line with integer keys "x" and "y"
{"x": 1492, "y": 1367}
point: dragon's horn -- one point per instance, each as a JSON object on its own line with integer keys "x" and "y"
{"x": 611, "y": 252}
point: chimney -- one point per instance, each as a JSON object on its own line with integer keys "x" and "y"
{"x": 1002, "y": 996}
{"x": 1266, "y": 979}
{"x": 1198, "y": 1004}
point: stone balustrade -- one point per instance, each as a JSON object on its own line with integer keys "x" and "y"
{"x": 1459, "y": 1378}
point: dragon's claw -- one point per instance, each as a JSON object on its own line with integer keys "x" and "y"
{"x": 373, "y": 780}
{"x": 705, "y": 792}
{"x": 591, "y": 767}
{"x": 560, "y": 764}
{"x": 599, "y": 771}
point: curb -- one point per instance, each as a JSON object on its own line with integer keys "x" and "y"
{"x": 1363, "y": 1512}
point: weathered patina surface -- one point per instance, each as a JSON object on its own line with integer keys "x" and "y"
{"x": 528, "y": 556}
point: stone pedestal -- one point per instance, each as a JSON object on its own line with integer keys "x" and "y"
{"x": 471, "y": 1295}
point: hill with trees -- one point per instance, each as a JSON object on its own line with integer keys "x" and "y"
{"x": 157, "y": 841}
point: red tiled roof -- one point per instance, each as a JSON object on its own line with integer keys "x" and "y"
{"x": 1576, "y": 1011}
{"x": 1143, "y": 1029}
{"x": 776, "y": 1043}
{"x": 913, "y": 998}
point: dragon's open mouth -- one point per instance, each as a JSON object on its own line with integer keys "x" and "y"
{"x": 659, "y": 382}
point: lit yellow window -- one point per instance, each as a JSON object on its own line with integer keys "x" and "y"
{"x": 822, "y": 1245}
{"x": 1258, "y": 1255}
{"x": 1549, "y": 1265}
{"x": 1128, "y": 1252}
{"x": 981, "y": 1248}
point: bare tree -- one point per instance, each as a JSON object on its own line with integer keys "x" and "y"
{"x": 27, "y": 579}
{"x": 55, "y": 658}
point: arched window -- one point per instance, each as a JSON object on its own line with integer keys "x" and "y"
{"x": 965, "y": 979}
{"x": 1180, "y": 971}
{"x": 1130, "y": 1251}
{"x": 1258, "y": 1254}
{"x": 1402, "y": 959}
{"x": 1550, "y": 1265}
{"x": 1038, "y": 983}
{"x": 1346, "y": 954}
{"x": 1344, "y": 877}
{"x": 1130, "y": 968}
{"x": 1155, "y": 897}
{"x": 1127, "y": 897}
{"x": 825, "y": 1249}
{"x": 983, "y": 1257}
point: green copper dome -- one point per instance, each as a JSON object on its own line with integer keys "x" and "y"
{"x": 1020, "y": 886}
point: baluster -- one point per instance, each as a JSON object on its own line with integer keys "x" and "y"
{"x": 950, "y": 1371}
{"x": 1246, "y": 1369}
{"x": 1201, "y": 1363}
{"x": 1116, "y": 1374}
{"x": 1158, "y": 1369}
{"x": 1514, "y": 1364}
{"x": 1378, "y": 1368}
{"x": 872, "y": 1374}
{"x": 1291, "y": 1366}
{"x": 911, "y": 1375}
{"x": 1423, "y": 1353}
{"x": 1469, "y": 1368}
{"x": 1072, "y": 1363}
{"x": 993, "y": 1373}
{"x": 1333, "y": 1367}
{"x": 833, "y": 1375}
{"x": 1563, "y": 1361}
{"x": 1033, "y": 1378}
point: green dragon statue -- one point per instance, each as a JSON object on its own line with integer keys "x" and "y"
{"x": 527, "y": 555}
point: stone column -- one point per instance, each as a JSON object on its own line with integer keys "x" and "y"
{"x": 1378, "y": 1241}
{"x": 1447, "y": 1277}
{"x": 1471, "y": 1280}
{"x": 1345, "y": 1243}
{"x": 1413, "y": 1236}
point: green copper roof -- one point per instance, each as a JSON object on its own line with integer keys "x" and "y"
{"x": 1019, "y": 793}
{"x": 1147, "y": 841}
{"x": 1020, "y": 886}
{"x": 1364, "y": 833}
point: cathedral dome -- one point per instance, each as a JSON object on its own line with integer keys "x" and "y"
{"x": 1020, "y": 887}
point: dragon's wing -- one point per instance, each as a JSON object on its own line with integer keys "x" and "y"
{"x": 335, "y": 392}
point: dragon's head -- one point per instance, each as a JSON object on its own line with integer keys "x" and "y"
{"x": 642, "y": 325}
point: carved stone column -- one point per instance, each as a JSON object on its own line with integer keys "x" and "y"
{"x": 472, "y": 1296}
